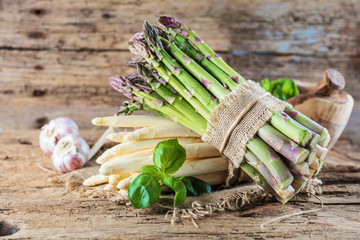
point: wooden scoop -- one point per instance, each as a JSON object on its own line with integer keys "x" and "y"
{"x": 325, "y": 102}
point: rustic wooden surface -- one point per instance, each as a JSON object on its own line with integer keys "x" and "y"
{"x": 55, "y": 57}
{"x": 44, "y": 210}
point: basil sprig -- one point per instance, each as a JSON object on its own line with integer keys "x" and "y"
{"x": 168, "y": 157}
{"x": 282, "y": 88}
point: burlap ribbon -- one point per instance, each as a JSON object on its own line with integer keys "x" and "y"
{"x": 236, "y": 120}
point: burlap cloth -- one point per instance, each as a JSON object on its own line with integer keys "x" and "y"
{"x": 234, "y": 121}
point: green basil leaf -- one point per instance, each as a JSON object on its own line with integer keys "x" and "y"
{"x": 195, "y": 186}
{"x": 282, "y": 88}
{"x": 169, "y": 156}
{"x": 266, "y": 85}
{"x": 144, "y": 190}
{"x": 178, "y": 187}
{"x": 153, "y": 171}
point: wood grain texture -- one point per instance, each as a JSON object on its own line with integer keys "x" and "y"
{"x": 55, "y": 56}
{"x": 44, "y": 210}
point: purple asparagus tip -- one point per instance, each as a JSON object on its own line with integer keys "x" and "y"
{"x": 169, "y": 22}
{"x": 184, "y": 33}
{"x": 139, "y": 99}
{"x": 208, "y": 57}
{"x": 285, "y": 116}
{"x": 206, "y": 83}
{"x": 235, "y": 78}
{"x": 197, "y": 40}
{"x": 272, "y": 154}
{"x": 186, "y": 59}
{"x": 176, "y": 69}
{"x": 217, "y": 56}
{"x": 158, "y": 103}
{"x": 173, "y": 118}
{"x": 116, "y": 83}
{"x": 291, "y": 113}
{"x": 170, "y": 99}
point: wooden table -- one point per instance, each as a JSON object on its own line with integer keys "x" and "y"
{"x": 44, "y": 210}
{"x": 55, "y": 57}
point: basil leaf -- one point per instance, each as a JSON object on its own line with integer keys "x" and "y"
{"x": 282, "y": 88}
{"x": 178, "y": 187}
{"x": 195, "y": 186}
{"x": 153, "y": 171}
{"x": 169, "y": 156}
{"x": 266, "y": 85}
{"x": 144, "y": 190}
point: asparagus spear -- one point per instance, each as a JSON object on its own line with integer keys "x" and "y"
{"x": 302, "y": 168}
{"x": 265, "y": 173}
{"x": 175, "y": 26}
{"x": 285, "y": 196}
{"x": 193, "y": 53}
{"x": 312, "y": 156}
{"x": 299, "y": 182}
{"x": 282, "y": 144}
{"x": 207, "y": 80}
{"x": 288, "y": 127}
{"x": 171, "y": 131}
{"x": 307, "y": 122}
{"x": 320, "y": 152}
{"x": 272, "y": 161}
{"x": 131, "y": 121}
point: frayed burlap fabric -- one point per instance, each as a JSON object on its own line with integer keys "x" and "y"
{"x": 236, "y": 120}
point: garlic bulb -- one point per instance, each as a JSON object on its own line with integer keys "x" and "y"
{"x": 53, "y": 131}
{"x": 71, "y": 153}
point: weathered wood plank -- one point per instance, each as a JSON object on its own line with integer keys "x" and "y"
{"x": 308, "y": 27}
{"x": 45, "y": 84}
{"x": 42, "y": 209}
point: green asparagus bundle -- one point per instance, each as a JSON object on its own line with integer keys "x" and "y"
{"x": 181, "y": 78}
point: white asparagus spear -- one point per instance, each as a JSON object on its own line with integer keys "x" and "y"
{"x": 126, "y": 165}
{"x": 126, "y": 182}
{"x": 109, "y": 187}
{"x": 115, "y": 178}
{"x": 321, "y": 152}
{"x": 129, "y": 147}
{"x": 96, "y": 180}
{"x": 168, "y": 131}
{"x": 117, "y": 136}
{"x": 132, "y": 121}
{"x": 203, "y": 166}
{"x": 100, "y": 142}
{"x": 213, "y": 179}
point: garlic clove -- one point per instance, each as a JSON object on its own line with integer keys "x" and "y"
{"x": 53, "y": 131}
{"x": 71, "y": 153}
